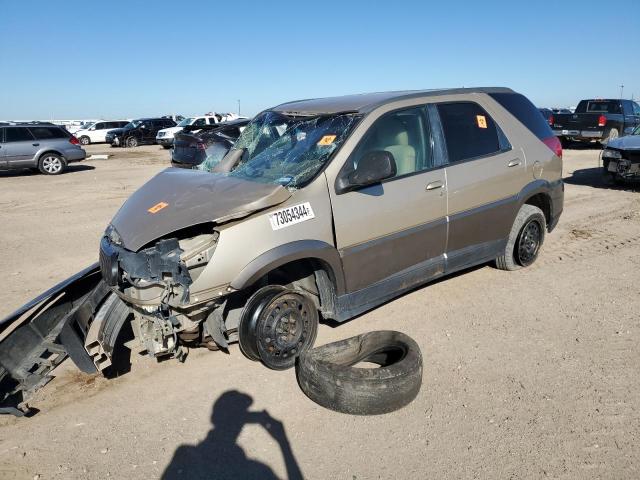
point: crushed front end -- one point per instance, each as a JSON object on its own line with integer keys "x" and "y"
{"x": 155, "y": 283}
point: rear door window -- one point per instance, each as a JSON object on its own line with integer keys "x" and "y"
{"x": 47, "y": 133}
{"x": 603, "y": 106}
{"x": 17, "y": 134}
{"x": 469, "y": 131}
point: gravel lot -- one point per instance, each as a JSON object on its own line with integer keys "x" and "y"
{"x": 527, "y": 374}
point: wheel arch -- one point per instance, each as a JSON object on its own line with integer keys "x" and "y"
{"x": 317, "y": 257}
{"x": 50, "y": 150}
{"x": 538, "y": 194}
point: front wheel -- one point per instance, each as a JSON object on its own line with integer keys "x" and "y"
{"x": 166, "y": 147}
{"x": 278, "y": 324}
{"x": 525, "y": 239}
{"x": 84, "y": 140}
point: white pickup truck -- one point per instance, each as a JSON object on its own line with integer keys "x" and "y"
{"x": 165, "y": 136}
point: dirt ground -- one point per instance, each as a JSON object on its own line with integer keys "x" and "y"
{"x": 528, "y": 374}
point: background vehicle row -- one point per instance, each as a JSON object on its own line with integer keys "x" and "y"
{"x": 46, "y": 147}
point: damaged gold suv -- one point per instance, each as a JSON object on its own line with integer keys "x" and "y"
{"x": 323, "y": 209}
{"x": 327, "y": 208}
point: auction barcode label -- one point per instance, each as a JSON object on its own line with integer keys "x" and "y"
{"x": 291, "y": 215}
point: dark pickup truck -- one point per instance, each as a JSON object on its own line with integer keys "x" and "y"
{"x": 597, "y": 119}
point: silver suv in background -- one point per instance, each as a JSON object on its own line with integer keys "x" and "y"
{"x": 46, "y": 147}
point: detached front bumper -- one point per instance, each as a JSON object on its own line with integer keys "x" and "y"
{"x": 40, "y": 335}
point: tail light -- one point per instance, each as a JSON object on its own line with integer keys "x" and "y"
{"x": 554, "y": 144}
{"x": 602, "y": 121}
{"x": 551, "y": 121}
{"x": 74, "y": 141}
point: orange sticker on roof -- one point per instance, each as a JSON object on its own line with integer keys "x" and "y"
{"x": 157, "y": 207}
{"x": 482, "y": 121}
{"x": 327, "y": 140}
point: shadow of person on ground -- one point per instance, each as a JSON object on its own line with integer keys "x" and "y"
{"x": 596, "y": 177}
{"x": 219, "y": 457}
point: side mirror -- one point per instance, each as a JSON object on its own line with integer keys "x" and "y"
{"x": 373, "y": 167}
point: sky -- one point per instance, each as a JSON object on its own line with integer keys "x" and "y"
{"x": 126, "y": 59}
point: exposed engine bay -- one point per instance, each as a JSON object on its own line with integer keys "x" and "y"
{"x": 155, "y": 283}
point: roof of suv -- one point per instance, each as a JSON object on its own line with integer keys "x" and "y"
{"x": 366, "y": 102}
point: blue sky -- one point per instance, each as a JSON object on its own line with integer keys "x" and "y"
{"x": 94, "y": 59}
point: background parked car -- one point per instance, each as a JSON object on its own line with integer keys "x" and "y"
{"x": 96, "y": 132}
{"x": 138, "y": 132}
{"x": 598, "y": 119}
{"x": 204, "y": 147}
{"x": 73, "y": 126}
{"x": 166, "y": 135}
{"x": 621, "y": 158}
{"x": 43, "y": 146}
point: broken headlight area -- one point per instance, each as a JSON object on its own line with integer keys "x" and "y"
{"x": 155, "y": 282}
{"x": 157, "y": 265}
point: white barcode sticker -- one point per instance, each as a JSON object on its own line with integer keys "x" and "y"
{"x": 291, "y": 215}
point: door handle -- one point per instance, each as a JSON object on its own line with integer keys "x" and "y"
{"x": 514, "y": 163}
{"x": 35, "y": 144}
{"x": 434, "y": 185}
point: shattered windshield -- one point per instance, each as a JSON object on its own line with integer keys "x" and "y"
{"x": 290, "y": 149}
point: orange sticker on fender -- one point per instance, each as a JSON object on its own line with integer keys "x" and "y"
{"x": 482, "y": 121}
{"x": 327, "y": 140}
{"x": 157, "y": 207}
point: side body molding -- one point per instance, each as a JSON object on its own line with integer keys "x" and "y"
{"x": 289, "y": 252}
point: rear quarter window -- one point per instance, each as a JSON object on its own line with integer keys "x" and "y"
{"x": 469, "y": 131}
{"x": 48, "y": 133}
{"x": 525, "y": 111}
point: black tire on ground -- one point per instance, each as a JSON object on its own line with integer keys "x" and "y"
{"x": 525, "y": 239}
{"x": 51, "y": 164}
{"x": 84, "y": 140}
{"x": 278, "y": 324}
{"x": 166, "y": 147}
{"x": 131, "y": 142}
{"x": 328, "y": 375}
{"x": 612, "y": 134}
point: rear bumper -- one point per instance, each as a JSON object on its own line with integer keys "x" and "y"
{"x": 581, "y": 134}
{"x": 75, "y": 155}
{"x": 556, "y": 193}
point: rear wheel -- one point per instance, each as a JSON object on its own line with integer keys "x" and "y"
{"x": 131, "y": 142}
{"x": 525, "y": 239}
{"x": 51, "y": 164}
